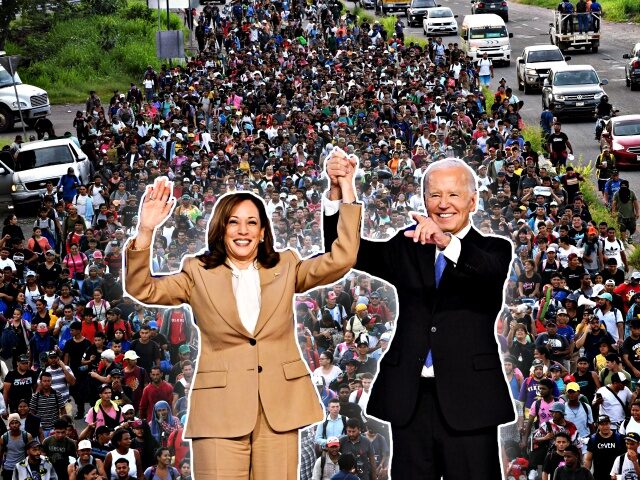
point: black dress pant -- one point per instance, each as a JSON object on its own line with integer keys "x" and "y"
{"x": 427, "y": 448}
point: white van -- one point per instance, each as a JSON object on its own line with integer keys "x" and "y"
{"x": 486, "y": 32}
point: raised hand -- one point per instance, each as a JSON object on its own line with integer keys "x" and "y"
{"x": 157, "y": 203}
{"x": 340, "y": 169}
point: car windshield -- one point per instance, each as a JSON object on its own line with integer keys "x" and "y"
{"x": 43, "y": 157}
{"x": 5, "y": 78}
{"x": 584, "y": 77}
{"x": 440, "y": 14}
{"x": 423, "y": 3}
{"x": 545, "y": 56}
{"x": 488, "y": 32}
{"x": 626, "y": 128}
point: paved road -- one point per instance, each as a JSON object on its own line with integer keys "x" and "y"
{"x": 530, "y": 26}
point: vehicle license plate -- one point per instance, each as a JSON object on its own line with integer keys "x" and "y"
{"x": 638, "y": 158}
{"x": 579, "y": 104}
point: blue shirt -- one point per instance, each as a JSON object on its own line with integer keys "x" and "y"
{"x": 335, "y": 428}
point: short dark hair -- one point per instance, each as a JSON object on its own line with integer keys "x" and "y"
{"x": 354, "y": 423}
{"x": 346, "y": 462}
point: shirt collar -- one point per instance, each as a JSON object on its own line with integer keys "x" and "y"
{"x": 236, "y": 271}
{"x": 463, "y": 233}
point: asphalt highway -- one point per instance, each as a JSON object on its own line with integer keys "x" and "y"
{"x": 530, "y": 26}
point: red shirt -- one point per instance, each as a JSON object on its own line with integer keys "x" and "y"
{"x": 153, "y": 394}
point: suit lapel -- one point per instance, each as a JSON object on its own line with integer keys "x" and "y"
{"x": 272, "y": 289}
{"x": 425, "y": 258}
{"x": 217, "y": 283}
{"x": 472, "y": 236}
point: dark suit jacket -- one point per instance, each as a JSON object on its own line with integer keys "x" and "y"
{"x": 456, "y": 320}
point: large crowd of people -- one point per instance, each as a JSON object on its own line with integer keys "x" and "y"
{"x": 274, "y": 87}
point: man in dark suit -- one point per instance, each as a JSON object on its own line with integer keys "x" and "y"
{"x": 441, "y": 384}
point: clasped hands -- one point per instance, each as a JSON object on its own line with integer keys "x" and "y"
{"x": 341, "y": 168}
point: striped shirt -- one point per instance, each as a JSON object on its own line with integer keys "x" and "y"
{"x": 59, "y": 381}
{"x": 47, "y": 407}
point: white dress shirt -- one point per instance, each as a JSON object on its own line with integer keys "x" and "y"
{"x": 452, "y": 252}
{"x": 246, "y": 289}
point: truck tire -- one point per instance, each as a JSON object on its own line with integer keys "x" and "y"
{"x": 520, "y": 82}
{"x": 594, "y": 49}
{"x": 527, "y": 89}
{"x": 6, "y": 119}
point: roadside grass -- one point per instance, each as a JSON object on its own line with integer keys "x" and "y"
{"x": 614, "y": 10}
{"x": 92, "y": 52}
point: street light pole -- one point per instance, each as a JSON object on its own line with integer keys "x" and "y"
{"x": 15, "y": 89}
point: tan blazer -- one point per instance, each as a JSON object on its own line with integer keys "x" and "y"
{"x": 235, "y": 367}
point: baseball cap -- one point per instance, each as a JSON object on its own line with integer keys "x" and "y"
{"x": 116, "y": 372}
{"x": 23, "y": 358}
{"x": 604, "y": 419}
{"x": 572, "y": 386}
{"x": 184, "y": 349}
{"x": 385, "y": 337}
{"x": 127, "y": 408}
{"x": 619, "y": 377}
{"x": 50, "y": 252}
{"x": 84, "y": 445}
{"x": 557, "y": 407}
{"x": 332, "y": 296}
{"x": 97, "y": 254}
{"x": 611, "y": 281}
{"x": 42, "y": 328}
{"x": 632, "y": 436}
{"x": 537, "y": 363}
{"x": 153, "y": 325}
{"x": 31, "y": 273}
{"x": 606, "y": 296}
{"x": 360, "y": 307}
{"x": 334, "y": 442}
{"x": 592, "y": 231}
{"x": 131, "y": 355}
{"x": 635, "y": 276}
{"x": 561, "y": 311}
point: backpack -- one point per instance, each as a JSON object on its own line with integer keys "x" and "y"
{"x": 537, "y": 404}
{"x": 326, "y": 422}
{"x": 5, "y": 438}
{"x": 152, "y": 473}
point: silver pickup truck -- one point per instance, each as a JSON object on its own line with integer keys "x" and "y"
{"x": 533, "y": 66}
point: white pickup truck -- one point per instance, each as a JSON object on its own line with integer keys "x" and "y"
{"x": 533, "y": 66}
{"x": 34, "y": 101}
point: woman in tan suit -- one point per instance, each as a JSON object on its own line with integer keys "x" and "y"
{"x": 252, "y": 391}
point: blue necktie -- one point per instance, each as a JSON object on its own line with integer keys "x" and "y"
{"x": 441, "y": 264}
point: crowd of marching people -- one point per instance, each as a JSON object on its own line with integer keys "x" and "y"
{"x": 274, "y": 87}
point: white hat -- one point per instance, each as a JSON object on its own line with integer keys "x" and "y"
{"x": 109, "y": 355}
{"x": 84, "y": 444}
{"x": 131, "y": 355}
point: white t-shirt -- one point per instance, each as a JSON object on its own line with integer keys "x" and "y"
{"x": 633, "y": 426}
{"x": 610, "y": 320}
{"x": 484, "y": 66}
{"x": 627, "y": 467}
{"x": 611, "y": 406}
